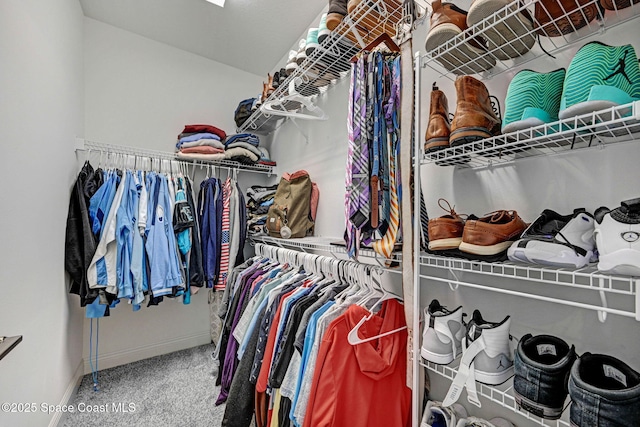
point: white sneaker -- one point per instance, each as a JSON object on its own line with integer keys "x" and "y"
{"x": 493, "y": 363}
{"x": 437, "y": 415}
{"x": 486, "y": 357}
{"x": 558, "y": 240}
{"x": 443, "y": 332}
{"x": 291, "y": 63}
{"x": 301, "y": 55}
{"x": 617, "y": 234}
{"x": 480, "y": 422}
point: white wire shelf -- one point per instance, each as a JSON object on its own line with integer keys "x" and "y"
{"x": 330, "y": 63}
{"x": 501, "y": 394}
{"x": 597, "y": 290}
{"x": 152, "y": 155}
{"x": 591, "y": 130}
{"x": 324, "y": 244}
{"x": 540, "y": 30}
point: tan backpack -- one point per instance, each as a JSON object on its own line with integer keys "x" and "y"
{"x": 294, "y": 206}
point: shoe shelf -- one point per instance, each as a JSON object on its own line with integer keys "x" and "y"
{"x": 501, "y": 394}
{"x": 543, "y": 38}
{"x": 590, "y": 289}
{"x": 156, "y": 158}
{"x": 329, "y": 64}
{"x": 596, "y": 129}
{"x": 328, "y": 245}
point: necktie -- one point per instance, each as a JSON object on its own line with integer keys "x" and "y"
{"x": 350, "y": 231}
{"x": 385, "y": 210}
{"x": 373, "y": 130}
{"x": 385, "y": 246}
{"x": 360, "y": 166}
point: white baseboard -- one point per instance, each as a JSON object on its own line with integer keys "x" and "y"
{"x": 71, "y": 390}
{"x": 117, "y": 358}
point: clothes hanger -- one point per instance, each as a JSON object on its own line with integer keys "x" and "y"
{"x": 382, "y": 38}
{"x": 354, "y": 338}
{"x": 277, "y": 106}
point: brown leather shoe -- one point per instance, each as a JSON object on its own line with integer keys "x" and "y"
{"x": 474, "y": 118}
{"x": 509, "y": 38}
{"x": 492, "y": 234}
{"x": 617, "y": 4}
{"x": 439, "y": 128}
{"x": 448, "y": 21}
{"x": 445, "y": 232}
{"x": 548, "y": 11}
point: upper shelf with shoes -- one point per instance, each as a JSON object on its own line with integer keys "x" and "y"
{"x": 495, "y": 36}
{"x": 607, "y": 126}
{"x": 324, "y": 58}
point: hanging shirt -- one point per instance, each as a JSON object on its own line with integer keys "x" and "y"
{"x": 365, "y": 384}
{"x": 125, "y": 229}
{"x": 138, "y": 258}
{"x": 299, "y": 407}
{"x": 102, "y": 270}
{"x": 100, "y": 203}
{"x": 210, "y": 202}
{"x": 161, "y": 246}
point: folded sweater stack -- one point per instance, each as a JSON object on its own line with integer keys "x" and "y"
{"x": 206, "y": 142}
{"x": 243, "y": 148}
{"x": 201, "y": 142}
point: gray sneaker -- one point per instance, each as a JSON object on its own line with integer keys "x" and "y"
{"x": 443, "y": 332}
{"x": 486, "y": 357}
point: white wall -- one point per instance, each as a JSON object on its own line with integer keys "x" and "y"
{"x": 589, "y": 178}
{"x": 141, "y": 93}
{"x": 42, "y": 113}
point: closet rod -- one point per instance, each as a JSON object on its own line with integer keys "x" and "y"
{"x": 316, "y": 263}
{"x": 99, "y": 147}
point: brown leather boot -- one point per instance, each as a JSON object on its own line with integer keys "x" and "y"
{"x": 447, "y": 22}
{"x": 474, "y": 118}
{"x": 548, "y": 12}
{"x": 438, "y": 129}
{"x": 337, "y": 11}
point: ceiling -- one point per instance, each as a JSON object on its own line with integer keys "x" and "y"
{"x": 252, "y": 35}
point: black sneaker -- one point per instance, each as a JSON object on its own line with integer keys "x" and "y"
{"x": 542, "y": 365}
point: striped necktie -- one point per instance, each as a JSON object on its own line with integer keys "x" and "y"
{"x": 385, "y": 246}
{"x": 350, "y": 233}
{"x": 360, "y": 166}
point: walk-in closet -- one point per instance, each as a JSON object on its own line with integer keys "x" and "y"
{"x": 381, "y": 213}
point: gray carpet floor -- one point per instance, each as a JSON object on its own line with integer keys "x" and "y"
{"x": 176, "y": 389}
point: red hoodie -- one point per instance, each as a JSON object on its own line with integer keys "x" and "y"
{"x": 362, "y": 385}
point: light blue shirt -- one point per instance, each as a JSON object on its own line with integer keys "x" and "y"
{"x": 308, "y": 343}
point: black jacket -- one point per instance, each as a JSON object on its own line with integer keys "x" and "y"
{"x": 80, "y": 243}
